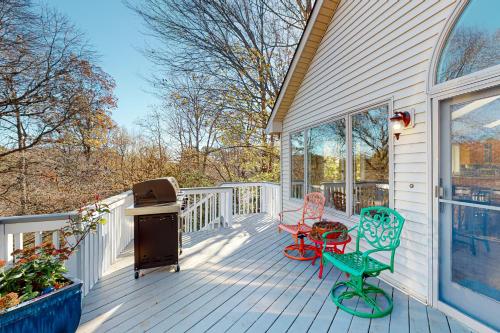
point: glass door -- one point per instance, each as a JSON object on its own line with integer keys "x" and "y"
{"x": 469, "y": 205}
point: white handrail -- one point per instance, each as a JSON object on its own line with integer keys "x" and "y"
{"x": 94, "y": 255}
{"x": 255, "y": 197}
{"x": 210, "y": 207}
{"x": 206, "y": 208}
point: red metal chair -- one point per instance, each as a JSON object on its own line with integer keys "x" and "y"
{"x": 314, "y": 204}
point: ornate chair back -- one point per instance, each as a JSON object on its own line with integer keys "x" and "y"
{"x": 314, "y": 205}
{"x": 381, "y": 228}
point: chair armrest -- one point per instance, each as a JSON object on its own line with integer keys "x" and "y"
{"x": 287, "y": 211}
{"x": 367, "y": 253}
{"x": 354, "y": 227}
{"x": 330, "y": 232}
{"x": 343, "y": 231}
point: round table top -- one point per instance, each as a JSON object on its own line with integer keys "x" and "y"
{"x": 317, "y": 239}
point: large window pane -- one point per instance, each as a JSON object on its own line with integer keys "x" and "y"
{"x": 475, "y": 151}
{"x": 475, "y": 239}
{"x": 326, "y": 151}
{"x": 473, "y": 42}
{"x": 297, "y": 181}
{"x": 370, "y": 145}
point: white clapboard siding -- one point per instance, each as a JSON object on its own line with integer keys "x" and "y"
{"x": 373, "y": 51}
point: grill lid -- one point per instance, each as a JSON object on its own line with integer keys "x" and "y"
{"x": 156, "y": 191}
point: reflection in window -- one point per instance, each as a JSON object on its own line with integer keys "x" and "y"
{"x": 326, "y": 151}
{"x": 370, "y": 144}
{"x": 475, "y": 154}
{"x": 475, "y": 180}
{"x": 297, "y": 181}
{"x": 488, "y": 151}
{"x": 473, "y": 44}
{"x": 476, "y": 238}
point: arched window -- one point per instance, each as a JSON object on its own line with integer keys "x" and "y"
{"x": 474, "y": 42}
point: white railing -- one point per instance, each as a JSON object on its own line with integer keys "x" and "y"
{"x": 211, "y": 207}
{"x": 252, "y": 198}
{"x": 206, "y": 208}
{"x": 95, "y": 254}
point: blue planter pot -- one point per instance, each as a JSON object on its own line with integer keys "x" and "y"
{"x": 58, "y": 311}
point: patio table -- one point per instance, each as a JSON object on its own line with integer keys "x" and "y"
{"x": 336, "y": 245}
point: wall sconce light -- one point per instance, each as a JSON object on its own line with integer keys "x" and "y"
{"x": 402, "y": 120}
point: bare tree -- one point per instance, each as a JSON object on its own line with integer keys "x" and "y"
{"x": 154, "y": 126}
{"x": 42, "y": 81}
{"x": 37, "y": 81}
{"x": 469, "y": 49}
{"x": 92, "y": 106}
{"x": 195, "y": 119}
{"x": 243, "y": 46}
{"x": 294, "y": 13}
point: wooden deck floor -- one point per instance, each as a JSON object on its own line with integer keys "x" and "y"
{"x": 237, "y": 280}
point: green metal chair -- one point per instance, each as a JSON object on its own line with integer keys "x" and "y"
{"x": 380, "y": 228}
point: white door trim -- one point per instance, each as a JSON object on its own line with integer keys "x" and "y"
{"x": 434, "y": 102}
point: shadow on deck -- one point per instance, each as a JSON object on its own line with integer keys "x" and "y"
{"x": 237, "y": 280}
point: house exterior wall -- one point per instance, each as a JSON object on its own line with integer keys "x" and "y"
{"x": 376, "y": 51}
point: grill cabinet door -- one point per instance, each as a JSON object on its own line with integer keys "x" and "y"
{"x": 156, "y": 240}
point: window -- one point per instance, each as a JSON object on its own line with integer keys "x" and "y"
{"x": 297, "y": 176}
{"x": 326, "y": 156}
{"x": 370, "y": 155}
{"x": 473, "y": 42}
{"x": 349, "y": 179}
{"x": 488, "y": 152}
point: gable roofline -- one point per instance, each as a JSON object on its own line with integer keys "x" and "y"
{"x": 316, "y": 27}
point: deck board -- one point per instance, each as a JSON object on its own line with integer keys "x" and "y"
{"x": 237, "y": 280}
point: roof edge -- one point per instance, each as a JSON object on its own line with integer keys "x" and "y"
{"x": 323, "y": 8}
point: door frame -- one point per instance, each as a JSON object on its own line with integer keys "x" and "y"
{"x": 473, "y": 82}
{"x": 435, "y": 98}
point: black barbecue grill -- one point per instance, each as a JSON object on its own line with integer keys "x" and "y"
{"x": 157, "y": 230}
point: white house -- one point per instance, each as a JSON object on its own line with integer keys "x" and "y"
{"x": 358, "y": 64}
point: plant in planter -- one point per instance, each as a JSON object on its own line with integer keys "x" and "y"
{"x": 35, "y": 284}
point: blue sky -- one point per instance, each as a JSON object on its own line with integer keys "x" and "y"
{"x": 114, "y": 31}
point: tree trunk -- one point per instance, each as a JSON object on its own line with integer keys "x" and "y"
{"x": 23, "y": 164}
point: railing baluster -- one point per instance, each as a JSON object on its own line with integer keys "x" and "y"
{"x": 213, "y": 217}
{"x": 18, "y": 241}
{"x": 233, "y": 191}
{"x": 206, "y": 214}
{"x": 38, "y": 238}
{"x": 195, "y": 213}
{"x": 55, "y": 239}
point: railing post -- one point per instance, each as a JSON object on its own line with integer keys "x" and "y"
{"x": 4, "y": 244}
{"x": 18, "y": 241}
{"x": 222, "y": 209}
{"x": 264, "y": 199}
{"x": 229, "y": 207}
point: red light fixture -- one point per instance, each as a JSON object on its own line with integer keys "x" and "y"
{"x": 400, "y": 121}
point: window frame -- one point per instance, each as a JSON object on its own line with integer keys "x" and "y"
{"x": 459, "y": 85}
{"x": 441, "y": 48}
{"x": 290, "y": 156}
{"x": 347, "y": 116}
